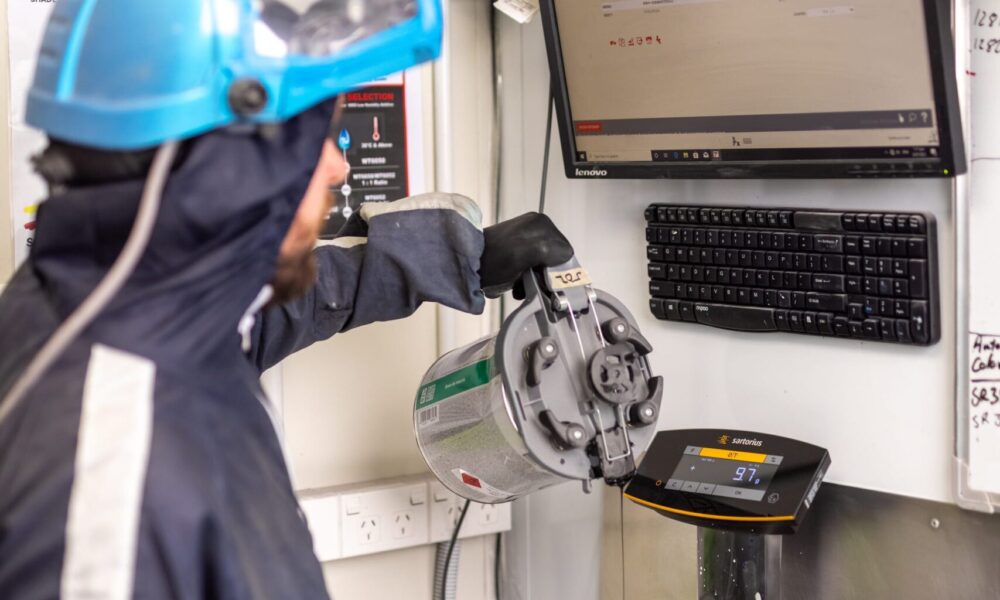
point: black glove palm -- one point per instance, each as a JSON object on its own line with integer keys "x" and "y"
{"x": 518, "y": 245}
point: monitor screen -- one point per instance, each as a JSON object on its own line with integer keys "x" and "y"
{"x": 754, "y": 88}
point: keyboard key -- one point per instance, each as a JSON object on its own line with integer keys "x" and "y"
{"x": 657, "y": 270}
{"x": 861, "y": 222}
{"x": 798, "y": 300}
{"x": 829, "y": 243}
{"x": 900, "y": 288}
{"x": 852, "y": 264}
{"x": 869, "y": 246}
{"x": 656, "y": 306}
{"x": 825, "y": 323}
{"x": 899, "y": 247}
{"x": 887, "y": 328}
{"x": 903, "y": 331}
{"x": 916, "y": 248}
{"x": 884, "y": 286}
{"x": 852, "y": 244}
{"x": 828, "y": 283}
{"x": 918, "y": 278}
{"x": 784, "y": 299}
{"x": 871, "y": 328}
{"x": 736, "y": 317}
{"x": 795, "y": 321}
{"x": 853, "y": 285}
{"x": 841, "y": 326}
{"x": 809, "y": 323}
{"x": 883, "y": 246}
{"x": 919, "y": 328}
{"x": 826, "y": 302}
{"x": 832, "y": 264}
{"x": 857, "y": 329}
{"x": 686, "y": 311}
{"x": 781, "y": 320}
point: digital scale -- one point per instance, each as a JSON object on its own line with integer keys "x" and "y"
{"x": 738, "y": 488}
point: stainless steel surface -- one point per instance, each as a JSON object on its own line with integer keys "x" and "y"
{"x": 738, "y": 566}
{"x": 863, "y": 545}
{"x": 853, "y": 545}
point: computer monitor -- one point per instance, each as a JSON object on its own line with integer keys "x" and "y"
{"x": 755, "y": 88}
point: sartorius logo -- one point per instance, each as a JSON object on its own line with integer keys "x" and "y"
{"x": 746, "y": 442}
{"x": 591, "y": 173}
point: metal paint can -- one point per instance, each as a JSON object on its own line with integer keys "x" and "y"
{"x": 563, "y": 392}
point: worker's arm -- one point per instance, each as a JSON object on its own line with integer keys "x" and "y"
{"x": 390, "y": 259}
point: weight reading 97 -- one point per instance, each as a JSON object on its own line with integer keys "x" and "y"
{"x": 747, "y": 474}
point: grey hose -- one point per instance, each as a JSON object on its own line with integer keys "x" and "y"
{"x": 446, "y": 584}
{"x": 97, "y": 301}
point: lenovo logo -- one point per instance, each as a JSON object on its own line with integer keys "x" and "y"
{"x": 591, "y": 173}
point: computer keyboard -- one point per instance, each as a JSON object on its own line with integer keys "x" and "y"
{"x": 868, "y": 276}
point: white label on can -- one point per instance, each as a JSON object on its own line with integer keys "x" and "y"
{"x": 428, "y": 416}
{"x": 561, "y": 280}
{"x": 470, "y": 480}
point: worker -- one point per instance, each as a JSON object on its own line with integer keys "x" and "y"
{"x": 138, "y": 453}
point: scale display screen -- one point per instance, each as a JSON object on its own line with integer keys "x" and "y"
{"x": 729, "y": 479}
{"x": 724, "y": 473}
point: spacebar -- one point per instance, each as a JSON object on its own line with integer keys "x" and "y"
{"x": 740, "y": 318}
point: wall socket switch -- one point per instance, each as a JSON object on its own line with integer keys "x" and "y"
{"x": 385, "y": 518}
{"x": 393, "y": 514}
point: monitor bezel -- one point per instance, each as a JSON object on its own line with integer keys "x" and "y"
{"x": 950, "y": 162}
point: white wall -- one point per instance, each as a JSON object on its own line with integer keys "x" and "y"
{"x": 884, "y": 411}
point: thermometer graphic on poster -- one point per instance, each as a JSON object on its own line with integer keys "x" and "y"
{"x": 372, "y": 135}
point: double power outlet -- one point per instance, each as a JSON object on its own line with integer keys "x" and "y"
{"x": 394, "y": 514}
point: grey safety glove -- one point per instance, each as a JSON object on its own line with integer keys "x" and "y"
{"x": 516, "y": 246}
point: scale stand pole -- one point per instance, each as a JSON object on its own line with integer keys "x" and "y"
{"x": 738, "y": 566}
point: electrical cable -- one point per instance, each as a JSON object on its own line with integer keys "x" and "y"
{"x": 621, "y": 517}
{"x": 548, "y": 145}
{"x": 107, "y": 289}
{"x": 497, "y": 139}
{"x": 454, "y": 539}
{"x": 496, "y": 566}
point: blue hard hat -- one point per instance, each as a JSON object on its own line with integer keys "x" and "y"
{"x": 128, "y": 74}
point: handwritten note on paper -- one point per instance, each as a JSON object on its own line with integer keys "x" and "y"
{"x": 984, "y": 411}
{"x": 984, "y": 77}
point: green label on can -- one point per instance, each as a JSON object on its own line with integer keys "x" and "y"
{"x": 452, "y": 384}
